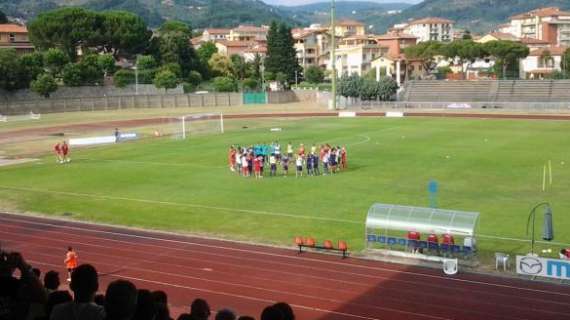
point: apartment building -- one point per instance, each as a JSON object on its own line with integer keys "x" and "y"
{"x": 215, "y": 34}
{"x": 428, "y": 29}
{"x": 348, "y": 28}
{"x": 355, "y": 54}
{"x": 549, "y": 24}
{"x": 15, "y": 36}
{"x": 312, "y": 46}
{"x": 248, "y": 33}
{"x": 246, "y": 49}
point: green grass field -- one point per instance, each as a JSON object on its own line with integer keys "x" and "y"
{"x": 494, "y": 167}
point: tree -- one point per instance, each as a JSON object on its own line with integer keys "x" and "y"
{"x": 10, "y": 70}
{"x": 464, "y": 52}
{"x": 173, "y": 26}
{"x": 44, "y": 85}
{"x": 123, "y": 34}
{"x": 281, "y": 53}
{"x": 32, "y": 65}
{"x": 250, "y": 84}
{"x": 349, "y": 86}
{"x": 225, "y": 84}
{"x": 239, "y": 66}
{"x": 165, "y": 79}
{"x": 146, "y": 63}
{"x": 175, "y": 47}
{"x": 172, "y": 67}
{"x": 68, "y": 29}
{"x": 123, "y": 77}
{"x": 467, "y": 35}
{"x": 55, "y": 60}
{"x": 91, "y": 72}
{"x": 565, "y": 63}
{"x": 507, "y": 54}
{"x": 206, "y": 51}
{"x": 72, "y": 75}
{"x": 426, "y": 52}
{"x": 255, "y": 67}
{"x": 3, "y": 18}
{"x": 221, "y": 65}
{"x": 194, "y": 78}
{"x": 314, "y": 74}
{"x": 106, "y": 63}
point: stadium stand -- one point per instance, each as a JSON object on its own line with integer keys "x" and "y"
{"x": 487, "y": 91}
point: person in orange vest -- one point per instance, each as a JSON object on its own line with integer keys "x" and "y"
{"x": 70, "y": 262}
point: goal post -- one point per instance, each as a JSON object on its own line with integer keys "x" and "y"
{"x": 201, "y": 123}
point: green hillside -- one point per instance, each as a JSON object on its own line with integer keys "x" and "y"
{"x": 199, "y": 13}
{"x": 475, "y": 15}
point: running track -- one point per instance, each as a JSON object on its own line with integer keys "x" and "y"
{"x": 247, "y": 278}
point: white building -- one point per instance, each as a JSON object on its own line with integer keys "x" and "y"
{"x": 541, "y": 63}
{"x": 429, "y": 29}
{"x": 355, "y": 54}
{"x": 312, "y": 46}
{"x": 549, "y": 24}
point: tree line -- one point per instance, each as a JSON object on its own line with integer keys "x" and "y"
{"x": 77, "y": 47}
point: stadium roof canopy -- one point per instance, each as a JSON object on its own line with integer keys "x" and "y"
{"x": 388, "y": 217}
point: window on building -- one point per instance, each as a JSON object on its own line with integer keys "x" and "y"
{"x": 12, "y": 37}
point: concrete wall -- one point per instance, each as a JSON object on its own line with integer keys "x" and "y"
{"x": 119, "y": 102}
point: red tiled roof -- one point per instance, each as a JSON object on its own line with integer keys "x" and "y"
{"x": 533, "y": 41}
{"x": 554, "y": 51}
{"x": 218, "y": 31}
{"x": 248, "y": 28}
{"x": 395, "y": 35}
{"x": 349, "y": 22}
{"x": 504, "y": 36}
{"x": 431, "y": 20}
{"x": 13, "y": 28}
{"x": 541, "y": 12}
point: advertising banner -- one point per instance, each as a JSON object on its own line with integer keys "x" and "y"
{"x": 543, "y": 267}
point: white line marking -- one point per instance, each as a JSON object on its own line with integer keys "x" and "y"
{"x": 366, "y": 140}
{"x": 180, "y": 204}
{"x": 300, "y": 258}
{"x": 554, "y": 243}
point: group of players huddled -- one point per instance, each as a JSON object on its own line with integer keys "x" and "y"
{"x": 251, "y": 161}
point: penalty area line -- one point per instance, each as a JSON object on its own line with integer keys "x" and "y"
{"x": 180, "y": 204}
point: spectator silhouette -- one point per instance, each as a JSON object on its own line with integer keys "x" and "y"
{"x": 121, "y": 300}
{"x": 51, "y": 281}
{"x": 225, "y": 314}
{"x": 56, "y": 298}
{"x": 161, "y": 300}
{"x": 286, "y": 310}
{"x": 185, "y": 316}
{"x": 17, "y": 295}
{"x": 246, "y": 318}
{"x": 200, "y": 310}
{"x": 146, "y": 308}
{"x": 272, "y": 313}
{"x": 84, "y": 284}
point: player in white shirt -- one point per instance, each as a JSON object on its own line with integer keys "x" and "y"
{"x": 299, "y": 165}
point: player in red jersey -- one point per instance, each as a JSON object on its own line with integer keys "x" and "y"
{"x": 232, "y": 158}
{"x": 57, "y": 150}
{"x": 343, "y": 162}
{"x": 65, "y": 152}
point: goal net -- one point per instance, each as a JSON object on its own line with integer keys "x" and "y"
{"x": 199, "y": 124}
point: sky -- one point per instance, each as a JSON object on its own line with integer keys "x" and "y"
{"x": 300, "y": 2}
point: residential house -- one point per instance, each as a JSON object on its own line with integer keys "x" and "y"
{"x": 355, "y": 54}
{"x": 497, "y": 36}
{"x": 542, "y": 62}
{"x": 348, "y": 28}
{"x": 392, "y": 62}
{"x": 428, "y": 29}
{"x": 15, "y": 36}
{"x": 215, "y": 34}
{"x": 246, "y": 49}
{"x": 550, "y": 24}
{"x": 248, "y": 33}
{"x": 312, "y": 46}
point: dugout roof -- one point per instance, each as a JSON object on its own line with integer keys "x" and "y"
{"x": 384, "y": 217}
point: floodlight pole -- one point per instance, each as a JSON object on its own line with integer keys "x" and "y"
{"x": 333, "y": 55}
{"x": 533, "y": 216}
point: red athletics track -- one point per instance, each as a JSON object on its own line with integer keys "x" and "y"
{"x": 247, "y": 278}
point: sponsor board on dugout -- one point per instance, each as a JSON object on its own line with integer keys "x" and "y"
{"x": 543, "y": 267}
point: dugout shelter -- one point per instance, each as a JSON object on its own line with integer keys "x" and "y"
{"x": 431, "y": 231}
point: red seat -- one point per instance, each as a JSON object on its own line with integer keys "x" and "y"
{"x": 328, "y": 244}
{"x": 342, "y": 245}
{"x": 298, "y": 241}
{"x": 310, "y": 242}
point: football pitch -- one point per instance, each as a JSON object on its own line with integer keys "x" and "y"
{"x": 494, "y": 167}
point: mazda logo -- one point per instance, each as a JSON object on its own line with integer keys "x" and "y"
{"x": 530, "y": 265}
